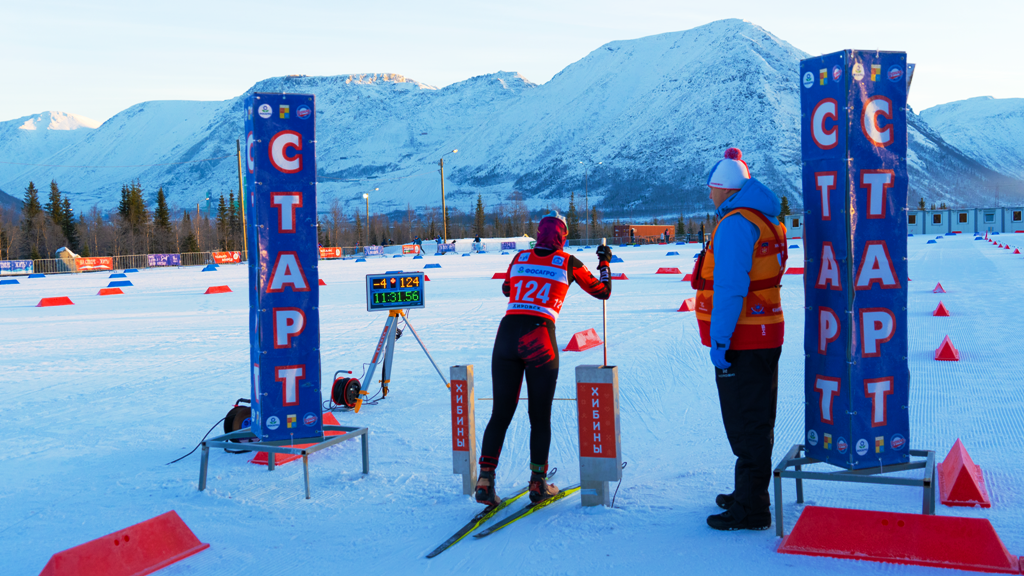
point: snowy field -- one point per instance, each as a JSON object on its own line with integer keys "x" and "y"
{"x": 100, "y": 395}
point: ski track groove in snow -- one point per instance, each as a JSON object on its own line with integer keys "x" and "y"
{"x": 102, "y": 394}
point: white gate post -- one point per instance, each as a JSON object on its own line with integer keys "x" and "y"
{"x": 463, "y": 426}
{"x": 597, "y": 405}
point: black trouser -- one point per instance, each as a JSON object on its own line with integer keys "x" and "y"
{"x": 748, "y": 391}
{"x": 525, "y": 344}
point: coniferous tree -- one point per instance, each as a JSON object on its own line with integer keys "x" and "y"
{"x": 234, "y": 231}
{"x": 30, "y": 210}
{"x": 920, "y": 203}
{"x": 784, "y": 211}
{"x": 68, "y": 226}
{"x": 359, "y": 228}
{"x": 222, "y": 222}
{"x": 191, "y": 244}
{"x": 594, "y": 222}
{"x": 54, "y": 207}
{"x": 478, "y": 217}
{"x": 572, "y": 218}
{"x": 162, "y": 222}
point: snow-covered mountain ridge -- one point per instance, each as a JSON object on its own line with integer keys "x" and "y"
{"x": 991, "y": 129}
{"x": 656, "y": 112}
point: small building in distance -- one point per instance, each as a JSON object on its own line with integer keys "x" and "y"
{"x": 644, "y": 233}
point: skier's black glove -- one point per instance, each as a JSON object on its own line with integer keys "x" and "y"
{"x": 604, "y": 255}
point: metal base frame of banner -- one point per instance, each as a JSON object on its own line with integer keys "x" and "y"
{"x": 272, "y": 448}
{"x": 864, "y": 476}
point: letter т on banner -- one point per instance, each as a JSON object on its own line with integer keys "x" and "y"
{"x": 284, "y": 291}
{"x": 854, "y": 148}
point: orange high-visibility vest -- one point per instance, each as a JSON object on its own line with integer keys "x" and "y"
{"x": 761, "y": 323}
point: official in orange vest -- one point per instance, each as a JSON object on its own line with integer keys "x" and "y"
{"x": 739, "y": 313}
{"x": 537, "y": 283}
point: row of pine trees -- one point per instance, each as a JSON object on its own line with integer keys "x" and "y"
{"x": 136, "y": 226}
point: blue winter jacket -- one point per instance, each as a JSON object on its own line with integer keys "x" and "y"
{"x": 734, "y": 241}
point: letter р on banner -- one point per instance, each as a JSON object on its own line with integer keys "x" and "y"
{"x": 854, "y": 147}
{"x": 284, "y": 291}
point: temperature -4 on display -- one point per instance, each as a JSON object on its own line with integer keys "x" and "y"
{"x": 394, "y": 290}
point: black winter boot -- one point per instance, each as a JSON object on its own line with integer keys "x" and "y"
{"x": 539, "y": 487}
{"x": 724, "y": 501}
{"x": 485, "y": 493}
{"x": 729, "y": 521}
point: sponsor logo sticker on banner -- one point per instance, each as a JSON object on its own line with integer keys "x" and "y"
{"x": 265, "y": 111}
{"x": 837, "y": 73}
{"x": 303, "y": 112}
{"x": 879, "y": 444}
{"x": 895, "y": 73}
{"x": 812, "y": 437}
{"x": 828, "y": 441}
{"x": 273, "y": 422}
{"x": 808, "y": 80}
{"x": 285, "y": 109}
{"x": 862, "y": 447}
{"x": 897, "y": 442}
{"x": 876, "y": 71}
{"x": 293, "y": 421}
{"x": 310, "y": 419}
{"x": 841, "y": 445}
{"x": 858, "y": 71}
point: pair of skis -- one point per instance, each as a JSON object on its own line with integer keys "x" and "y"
{"x": 490, "y": 511}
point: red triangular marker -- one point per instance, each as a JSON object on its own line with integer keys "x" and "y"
{"x": 322, "y": 283}
{"x": 946, "y": 351}
{"x": 688, "y": 277}
{"x": 1007, "y": 246}
{"x": 584, "y": 340}
{"x": 960, "y": 480}
{"x": 1016, "y": 250}
{"x": 938, "y": 289}
{"x": 689, "y": 305}
{"x": 940, "y": 310}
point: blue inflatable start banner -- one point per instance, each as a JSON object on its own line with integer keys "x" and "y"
{"x": 854, "y": 146}
{"x": 284, "y": 291}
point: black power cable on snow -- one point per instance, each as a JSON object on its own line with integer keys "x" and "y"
{"x": 617, "y": 486}
{"x": 197, "y": 445}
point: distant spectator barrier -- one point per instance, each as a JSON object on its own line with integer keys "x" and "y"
{"x": 153, "y": 260}
{"x": 442, "y": 247}
{"x": 373, "y": 251}
{"x": 508, "y": 245}
{"x": 410, "y": 249}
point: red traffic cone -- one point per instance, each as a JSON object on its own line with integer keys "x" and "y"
{"x": 960, "y": 480}
{"x": 940, "y": 310}
{"x": 946, "y": 351}
{"x": 938, "y": 289}
{"x": 689, "y": 305}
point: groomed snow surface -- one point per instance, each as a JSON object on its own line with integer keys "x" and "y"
{"x": 100, "y": 395}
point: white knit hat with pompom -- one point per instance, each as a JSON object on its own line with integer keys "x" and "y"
{"x": 730, "y": 173}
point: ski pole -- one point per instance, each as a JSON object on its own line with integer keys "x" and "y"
{"x": 604, "y": 314}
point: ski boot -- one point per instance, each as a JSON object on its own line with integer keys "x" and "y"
{"x": 485, "y": 493}
{"x": 539, "y": 487}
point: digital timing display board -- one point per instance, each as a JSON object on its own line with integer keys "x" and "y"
{"x": 394, "y": 291}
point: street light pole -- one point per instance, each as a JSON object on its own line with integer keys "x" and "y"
{"x": 586, "y": 200}
{"x": 366, "y": 196}
{"x": 444, "y": 209}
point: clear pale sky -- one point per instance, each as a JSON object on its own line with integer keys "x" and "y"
{"x": 97, "y": 58}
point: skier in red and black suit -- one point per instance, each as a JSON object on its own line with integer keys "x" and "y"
{"x": 537, "y": 283}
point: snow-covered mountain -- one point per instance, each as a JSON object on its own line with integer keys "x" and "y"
{"x": 656, "y": 112}
{"x": 990, "y": 130}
